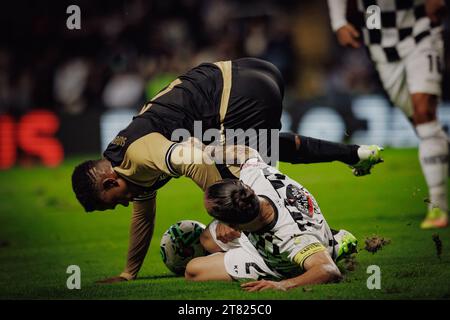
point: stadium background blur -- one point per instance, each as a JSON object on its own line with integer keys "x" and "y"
{"x": 65, "y": 93}
{"x": 97, "y": 77}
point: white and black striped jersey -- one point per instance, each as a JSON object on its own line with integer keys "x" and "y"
{"x": 299, "y": 229}
{"x": 404, "y": 24}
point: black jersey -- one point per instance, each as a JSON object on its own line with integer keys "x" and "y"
{"x": 194, "y": 96}
{"x": 244, "y": 93}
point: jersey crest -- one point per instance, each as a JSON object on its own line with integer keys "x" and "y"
{"x": 300, "y": 199}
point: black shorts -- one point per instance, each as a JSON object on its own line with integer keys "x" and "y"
{"x": 255, "y": 106}
{"x": 256, "y": 95}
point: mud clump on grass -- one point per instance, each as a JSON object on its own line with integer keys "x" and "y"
{"x": 375, "y": 243}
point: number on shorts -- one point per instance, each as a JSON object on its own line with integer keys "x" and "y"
{"x": 248, "y": 265}
{"x": 434, "y": 64}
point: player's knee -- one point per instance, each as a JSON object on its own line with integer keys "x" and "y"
{"x": 424, "y": 107}
{"x": 193, "y": 270}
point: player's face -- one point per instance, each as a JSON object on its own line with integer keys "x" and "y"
{"x": 117, "y": 192}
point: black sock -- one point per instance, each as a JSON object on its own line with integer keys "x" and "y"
{"x": 314, "y": 150}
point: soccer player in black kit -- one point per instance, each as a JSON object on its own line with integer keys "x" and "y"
{"x": 241, "y": 94}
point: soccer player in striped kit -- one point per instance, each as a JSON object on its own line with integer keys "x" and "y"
{"x": 407, "y": 52}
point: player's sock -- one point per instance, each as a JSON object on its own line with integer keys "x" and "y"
{"x": 311, "y": 150}
{"x": 433, "y": 155}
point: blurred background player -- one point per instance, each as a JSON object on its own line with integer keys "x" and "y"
{"x": 285, "y": 240}
{"x": 407, "y": 52}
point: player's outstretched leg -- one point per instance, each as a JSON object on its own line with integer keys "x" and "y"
{"x": 300, "y": 149}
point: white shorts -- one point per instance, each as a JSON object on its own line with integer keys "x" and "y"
{"x": 242, "y": 260}
{"x": 419, "y": 72}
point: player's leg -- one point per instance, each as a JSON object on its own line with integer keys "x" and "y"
{"x": 238, "y": 259}
{"x": 243, "y": 263}
{"x": 424, "y": 82}
{"x": 301, "y": 149}
{"x": 207, "y": 268}
{"x": 419, "y": 74}
{"x": 211, "y": 267}
{"x": 257, "y": 99}
{"x": 433, "y": 155}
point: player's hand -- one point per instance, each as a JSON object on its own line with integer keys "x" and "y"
{"x": 262, "y": 285}
{"x": 111, "y": 280}
{"x": 348, "y": 36}
{"x": 225, "y": 233}
{"x": 435, "y": 10}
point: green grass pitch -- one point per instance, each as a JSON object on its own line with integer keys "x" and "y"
{"x": 43, "y": 230}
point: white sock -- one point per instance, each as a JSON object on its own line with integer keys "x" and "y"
{"x": 433, "y": 155}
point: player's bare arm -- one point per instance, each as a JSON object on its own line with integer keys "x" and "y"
{"x": 319, "y": 268}
{"x": 346, "y": 33}
{"x": 141, "y": 232}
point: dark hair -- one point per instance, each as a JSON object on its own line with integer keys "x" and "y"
{"x": 83, "y": 184}
{"x": 231, "y": 201}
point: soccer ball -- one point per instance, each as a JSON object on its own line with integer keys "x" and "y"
{"x": 180, "y": 244}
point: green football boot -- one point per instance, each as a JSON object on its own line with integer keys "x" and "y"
{"x": 436, "y": 218}
{"x": 347, "y": 244}
{"x": 369, "y": 156}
